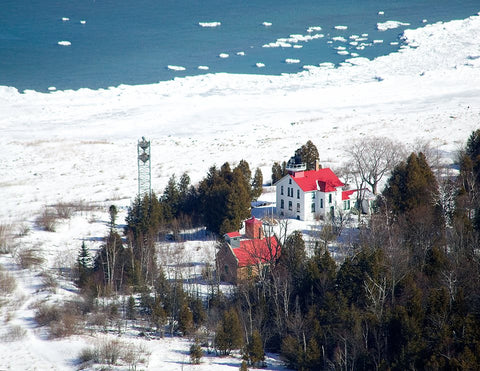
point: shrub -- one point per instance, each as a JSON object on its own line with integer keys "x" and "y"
{"x": 64, "y": 210}
{"x": 5, "y": 238}
{"x": 7, "y": 283}
{"x": 47, "y": 314}
{"x": 14, "y": 333}
{"x": 28, "y": 258}
{"x": 47, "y": 220}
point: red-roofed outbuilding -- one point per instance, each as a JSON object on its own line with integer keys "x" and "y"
{"x": 242, "y": 258}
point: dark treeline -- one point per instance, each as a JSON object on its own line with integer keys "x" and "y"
{"x": 407, "y": 297}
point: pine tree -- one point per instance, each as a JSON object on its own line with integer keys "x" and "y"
{"x": 254, "y": 352}
{"x": 112, "y": 210}
{"x": 196, "y": 353}
{"x": 308, "y": 154}
{"x": 257, "y": 184}
{"x": 185, "y": 320}
{"x": 229, "y": 335}
{"x": 131, "y": 311}
{"x": 84, "y": 266}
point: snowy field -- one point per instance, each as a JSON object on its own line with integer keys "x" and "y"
{"x": 80, "y": 146}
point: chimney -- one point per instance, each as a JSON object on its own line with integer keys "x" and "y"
{"x": 317, "y": 165}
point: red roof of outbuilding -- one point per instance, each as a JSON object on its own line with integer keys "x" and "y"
{"x": 325, "y": 178}
{"x": 256, "y": 251}
{"x": 346, "y": 194}
{"x": 233, "y": 234}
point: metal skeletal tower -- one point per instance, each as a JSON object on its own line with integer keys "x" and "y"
{"x": 144, "y": 168}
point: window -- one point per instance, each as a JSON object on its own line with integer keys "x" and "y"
{"x": 344, "y": 205}
{"x": 313, "y": 195}
{"x": 298, "y": 193}
{"x": 321, "y": 203}
{"x": 313, "y": 208}
{"x": 282, "y": 204}
{"x": 249, "y": 271}
{"x": 281, "y": 190}
{"x": 226, "y": 269}
{"x": 330, "y": 198}
{"x": 348, "y": 205}
{"x": 290, "y": 181}
{"x": 289, "y": 205}
{"x": 298, "y": 207}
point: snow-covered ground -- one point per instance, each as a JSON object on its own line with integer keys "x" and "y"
{"x": 72, "y": 146}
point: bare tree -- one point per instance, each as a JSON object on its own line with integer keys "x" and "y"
{"x": 372, "y": 158}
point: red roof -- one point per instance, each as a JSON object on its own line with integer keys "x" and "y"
{"x": 346, "y": 194}
{"x": 233, "y": 234}
{"x": 254, "y": 251}
{"x": 325, "y": 178}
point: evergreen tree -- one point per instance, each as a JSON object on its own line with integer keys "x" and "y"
{"x": 308, "y": 154}
{"x": 185, "y": 320}
{"x": 196, "y": 353}
{"x": 257, "y": 184}
{"x": 84, "y": 266}
{"x": 254, "y": 352}
{"x": 229, "y": 335}
{"x": 411, "y": 185}
{"x": 112, "y": 210}
{"x": 131, "y": 311}
{"x": 278, "y": 171}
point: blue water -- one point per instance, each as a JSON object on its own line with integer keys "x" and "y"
{"x": 133, "y": 41}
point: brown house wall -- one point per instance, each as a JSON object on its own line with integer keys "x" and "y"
{"x": 226, "y": 258}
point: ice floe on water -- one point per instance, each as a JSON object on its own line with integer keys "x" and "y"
{"x": 65, "y": 19}
{"x": 64, "y": 43}
{"x": 340, "y": 39}
{"x": 364, "y": 34}
{"x": 267, "y": 24}
{"x": 292, "y": 61}
{"x": 394, "y": 43}
{"x": 388, "y": 25}
{"x": 342, "y": 28}
{"x": 424, "y": 21}
{"x": 83, "y": 21}
{"x": 354, "y": 54}
{"x": 296, "y": 46}
{"x": 381, "y": 12}
{"x": 176, "y": 68}
{"x": 260, "y": 65}
{"x": 52, "y": 88}
{"x": 223, "y": 55}
{"x": 204, "y": 68}
{"x": 377, "y": 41}
{"x": 209, "y": 24}
{"x": 286, "y": 42}
{"x": 314, "y": 29}
{"x": 241, "y": 54}
{"x": 342, "y": 52}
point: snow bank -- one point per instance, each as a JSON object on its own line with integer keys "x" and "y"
{"x": 388, "y": 25}
{"x": 209, "y": 24}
